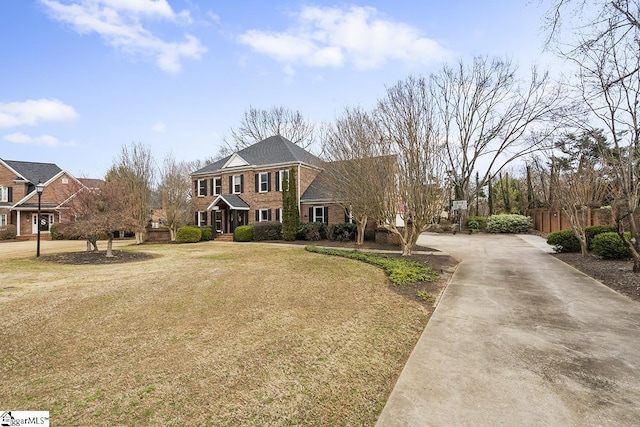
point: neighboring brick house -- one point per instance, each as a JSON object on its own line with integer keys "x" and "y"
{"x": 19, "y": 199}
{"x": 245, "y": 187}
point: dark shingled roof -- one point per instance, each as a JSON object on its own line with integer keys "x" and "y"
{"x": 317, "y": 190}
{"x": 273, "y": 150}
{"x": 233, "y": 201}
{"x": 34, "y": 172}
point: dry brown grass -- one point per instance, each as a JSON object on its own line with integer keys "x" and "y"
{"x": 204, "y": 334}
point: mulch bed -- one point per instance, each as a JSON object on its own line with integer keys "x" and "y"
{"x": 96, "y": 258}
{"x": 616, "y": 274}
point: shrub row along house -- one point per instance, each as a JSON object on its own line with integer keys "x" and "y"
{"x": 19, "y": 198}
{"x": 246, "y": 187}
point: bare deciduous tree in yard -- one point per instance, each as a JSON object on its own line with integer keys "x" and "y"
{"x": 175, "y": 191}
{"x": 416, "y": 192}
{"x": 488, "y": 116}
{"x": 135, "y": 169}
{"x": 355, "y": 175}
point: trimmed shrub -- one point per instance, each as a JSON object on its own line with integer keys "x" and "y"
{"x": 342, "y": 232}
{"x": 593, "y": 231}
{"x": 564, "y": 241}
{"x": 243, "y": 233}
{"x": 401, "y": 272}
{"x": 610, "y": 245}
{"x": 268, "y": 230}
{"x": 206, "y": 234}
{"x": 477, "y": 222}
{"x": 8, "y": 232}
{"x": 188, "y": 235}
{"x": 508, "y": 223}
{"x": 312, "y": 231}
{"x": 55, "y": 232}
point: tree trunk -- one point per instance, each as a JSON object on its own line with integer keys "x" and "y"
{"x": 88, "y": 245}
{"x": 172, "y": 233}
{"x": 110, "y": 246}
{"x": 362, "y": 224}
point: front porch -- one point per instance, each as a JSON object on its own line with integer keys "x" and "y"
{"x": 228, "y": 211}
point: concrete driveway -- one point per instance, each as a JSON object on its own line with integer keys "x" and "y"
{"x": 520, "y": 338}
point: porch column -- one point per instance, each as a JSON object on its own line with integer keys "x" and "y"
{"x": 18, "y": 223}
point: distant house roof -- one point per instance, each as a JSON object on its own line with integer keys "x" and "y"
{"x": 91, "y": 182}
{"x": 271, "y": 151}
{"x": 32, "y": 171}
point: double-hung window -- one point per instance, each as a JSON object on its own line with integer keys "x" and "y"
{"x": 263, "y": 215}
{"x": 263, "y": 182}
{"x": 202, "y": 187}
{"x": 237, "y": 184}
{"x": 283, "y": 177}
{"x": 4, "y": 194}
{"x": 319, "y": 214}
{"x": 201, "y": 218}
{"x": 217, "y": 186}
{"x": 3, "y": 220}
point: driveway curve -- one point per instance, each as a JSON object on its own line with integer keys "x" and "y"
{"x": 520, "y": 338}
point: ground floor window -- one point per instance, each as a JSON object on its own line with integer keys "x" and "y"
{"x": 201, "y": 218}
{"x": 319, "y": 214}
{"x": 3, "y": 220}
{"x": 263, "y": 215}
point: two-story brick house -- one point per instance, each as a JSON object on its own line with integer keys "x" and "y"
{"x": 246, "y": 187}
{"x": 19, "y": 199}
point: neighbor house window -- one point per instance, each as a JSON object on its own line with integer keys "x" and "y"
{"x": 3, "y": 220}
{"x": 201, "y": 218}
{"x": 217, "y": 186}
{"x": 263, "y": 215}
{"x": 202, "y": 187}
{"x": 4, "y": 194}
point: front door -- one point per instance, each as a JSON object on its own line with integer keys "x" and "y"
{"x": 45, "y": 222}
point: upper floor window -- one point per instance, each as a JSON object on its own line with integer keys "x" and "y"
{"x": 282, "y": 178}
{"x": 4, "y": 194}
{"x": 262, "y": 181}
{"x": 217, "y": 186}
{"x": 202, "y": 187}
{"x": 237, "y": 184}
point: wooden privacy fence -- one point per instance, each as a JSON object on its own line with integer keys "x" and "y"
{"x": 550, "y": 220}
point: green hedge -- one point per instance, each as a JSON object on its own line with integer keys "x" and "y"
{"x": 508, "y": 223}
{"x": 401, "y": 272}
{"x": 475, "y": 222}
{"x": 342, "y": 232}
{"x": 243, "y": 233}
{"x": 564, "y": 241}
{"x": 594, "y": 230}
{"x": 188, "y": 235}
{"x": 267, "y": 230}
{"x": 312, "y": 231}
{"x": 610, "y": 245}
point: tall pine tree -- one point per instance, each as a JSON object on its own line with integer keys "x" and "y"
{"x": 290, "y": 213}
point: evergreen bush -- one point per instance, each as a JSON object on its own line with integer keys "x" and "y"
{"x": 342, "y": 232}
{"x": 188, "y": 235}
{"x": 207, "y": 234}
{"x": 594, "y": 230}
{"x": 269, "y": 230}
{"x": 508, "y": 223}
{"x": 312, "y": 231}
{"x": 564, "y": 241}
{"x": 475, "y": 222}
{"x": 610, "y": 245}
{"x": 243, "y": 233}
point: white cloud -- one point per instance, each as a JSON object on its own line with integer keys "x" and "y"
{"x": 42, "y": 140}
{"x": 34, "y": 111}
{"x": 119, "y": 23}
{"x": 334, "y": 37}
{"x": 159, "y": 127}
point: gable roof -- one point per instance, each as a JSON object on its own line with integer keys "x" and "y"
{"x": 33, "y": 172}
{"x": 232, "y": 200}
{"x": 271, "y": 151}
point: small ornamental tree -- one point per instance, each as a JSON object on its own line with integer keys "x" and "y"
{"x": 290, "y": 212}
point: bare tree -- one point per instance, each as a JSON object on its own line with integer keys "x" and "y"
{"x": 490, "y": 118}
{"x": 257, "y": 124}
{"x": 415, "y": 194}
{"x": 355, "y": 175}
{"x": 175, "y": 192}
{"x": 135, "y": 168}
{"x": 610, "y": 90}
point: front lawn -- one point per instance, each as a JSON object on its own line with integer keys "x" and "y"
{"x": 203, "y": 334}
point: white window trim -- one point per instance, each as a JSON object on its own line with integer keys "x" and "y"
{"x": 4, "y": 194}
{"x": 238, "y": 184}
{"x": 279, "y": 210}
{"x": 215, "y": 192}
{"x": 315, "y": 216}
{"x": 266, "y": 182}
{"x": 200, "y": 188}
{"x": 264, "y": 215}
{"x": 201, "y": 215}
{"x": 3, "y": 220}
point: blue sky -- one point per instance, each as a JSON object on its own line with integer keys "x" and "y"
{"x": 80, "y": 78}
